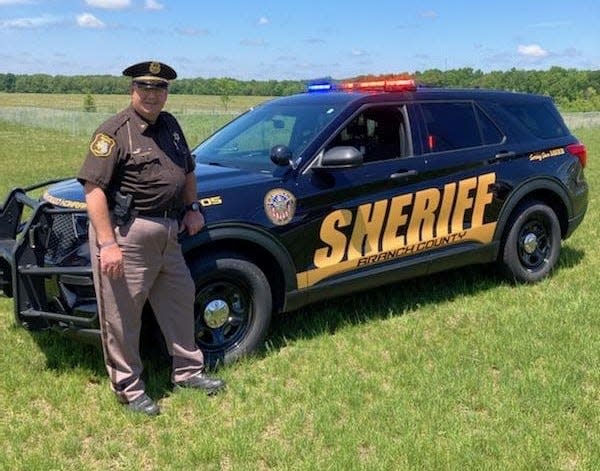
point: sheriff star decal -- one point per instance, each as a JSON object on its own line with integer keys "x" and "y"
{"x": 102, "y": 145}
{"x": 280, "y": 206}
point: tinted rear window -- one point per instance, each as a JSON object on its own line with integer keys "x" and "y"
{"x": 450, "y": 126}
{"x": 457, "y": 125}
{"x": 539, "y": 118}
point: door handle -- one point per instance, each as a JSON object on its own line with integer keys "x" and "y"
{"x": 403, "y": 174}
{"x": 503, "y": 155}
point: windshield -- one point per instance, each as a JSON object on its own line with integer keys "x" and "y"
{"x": 246, "y": 142}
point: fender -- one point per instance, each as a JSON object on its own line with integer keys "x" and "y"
{"x": 248, "y": 233}
{"x": 522, "y": 191}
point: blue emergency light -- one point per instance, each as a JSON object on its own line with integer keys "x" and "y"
{"x": 320, "y": 85}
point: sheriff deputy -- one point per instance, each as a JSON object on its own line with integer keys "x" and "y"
{"x": 139, "y": 178}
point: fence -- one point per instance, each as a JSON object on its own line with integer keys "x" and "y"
{"x": 589, "y": 119}
{"x": 198, "y": 124}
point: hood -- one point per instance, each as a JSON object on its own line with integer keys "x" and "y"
{"x": 67, "y": 193}
{"x": 211, "y": 179}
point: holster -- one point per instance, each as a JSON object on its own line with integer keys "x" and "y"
{"x": 123, "y": 211}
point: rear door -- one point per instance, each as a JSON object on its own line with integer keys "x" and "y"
{"x": 464, "y": 150}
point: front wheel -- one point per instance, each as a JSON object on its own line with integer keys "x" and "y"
{"x": 532, "y": 244}
{"x": 232, "y": 309}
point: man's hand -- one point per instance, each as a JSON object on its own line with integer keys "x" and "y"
{"x": 111, "y": 261}
{"x": 193, "y": 222}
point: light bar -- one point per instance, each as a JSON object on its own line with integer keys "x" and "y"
{"x": 395, "y": 85}
{"x": 401, "y": 85}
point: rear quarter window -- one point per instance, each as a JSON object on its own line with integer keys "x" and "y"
{"x": 541, "y": 119}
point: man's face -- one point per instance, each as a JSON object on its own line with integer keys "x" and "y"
{"x": 148, "y": 102}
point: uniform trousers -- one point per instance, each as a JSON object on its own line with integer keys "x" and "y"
{"x": 154, "y": 270}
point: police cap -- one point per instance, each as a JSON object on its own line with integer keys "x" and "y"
{"x": 151, "y": 74}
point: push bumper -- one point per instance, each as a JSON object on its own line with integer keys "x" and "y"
{"x": 44, "y": 264}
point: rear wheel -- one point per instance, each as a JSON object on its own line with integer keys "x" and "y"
{"x": 232, "y": 309}
{"x": 532, "y": 243}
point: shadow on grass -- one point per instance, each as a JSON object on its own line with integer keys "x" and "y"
{"x": 392, "y": 300}
{"x": 65, "y": 353}
{"x": 397, "y": 299}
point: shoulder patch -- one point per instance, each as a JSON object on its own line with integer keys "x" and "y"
{"x": 102, "y": 145}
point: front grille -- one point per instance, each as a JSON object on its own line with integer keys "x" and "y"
{"x": 66, "y": 233}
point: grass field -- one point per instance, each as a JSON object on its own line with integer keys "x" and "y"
{"x": 461, "y": 370}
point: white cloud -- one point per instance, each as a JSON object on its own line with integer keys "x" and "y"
{"x": 359, "y": 53}
{"x": 153, "y": 5}
{"x": 87, "y": 20}
{"x": 109, "y": 4}
{"x": 263, "y": 20}
{"x": 532, "y": 50}
{"x": 29, "y": 23}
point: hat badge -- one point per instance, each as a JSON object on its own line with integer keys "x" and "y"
{"x": 154, "y": 67}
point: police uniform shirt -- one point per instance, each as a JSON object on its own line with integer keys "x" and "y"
{"x": 148, "y": 161}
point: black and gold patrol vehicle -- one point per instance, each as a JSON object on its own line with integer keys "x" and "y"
{"x": 339, "y": 189}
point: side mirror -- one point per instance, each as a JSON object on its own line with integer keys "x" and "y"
{"x": 281, "y": 155}
{"x": 342, "y": 157}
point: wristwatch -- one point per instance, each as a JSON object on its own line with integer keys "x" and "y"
{"x": 192, "y": 206}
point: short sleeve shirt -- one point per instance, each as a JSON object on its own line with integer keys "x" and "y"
{"x": 148, "y": 161}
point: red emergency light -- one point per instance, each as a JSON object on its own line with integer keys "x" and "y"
{"x": 400, "y": 85}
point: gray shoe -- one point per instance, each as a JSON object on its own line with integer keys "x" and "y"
{"x": 144, "y": 405}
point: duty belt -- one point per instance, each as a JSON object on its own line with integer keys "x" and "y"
{"x": 163, "y": 213}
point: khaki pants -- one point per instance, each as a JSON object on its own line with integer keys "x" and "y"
{"x": 154, "y": 270}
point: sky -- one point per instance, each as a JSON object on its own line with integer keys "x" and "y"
{"x": 284, "y": 40}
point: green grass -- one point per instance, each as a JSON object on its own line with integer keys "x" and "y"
{"x": 460, "y": 370}
{"x": 114, "y": 103}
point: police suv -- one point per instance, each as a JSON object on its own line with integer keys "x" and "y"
{"x": 342, "y": 188}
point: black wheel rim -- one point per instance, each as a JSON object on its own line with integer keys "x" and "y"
{"x": 223, "y": 313}
{"x": 534, "y": 244}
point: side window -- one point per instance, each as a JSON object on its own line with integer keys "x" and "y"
{"x": 489, "y": 132}
{"x": 450, "y": 126}
{"x": 539, "y": 118}
{"x": 379, "y": 133}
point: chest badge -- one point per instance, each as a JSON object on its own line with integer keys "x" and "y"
{"x": 102, "y": 145}
{"x": 280, "y": 206}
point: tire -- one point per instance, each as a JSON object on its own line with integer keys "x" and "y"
{"x": 532, "y": 243}
{"x": 232, "y": 309}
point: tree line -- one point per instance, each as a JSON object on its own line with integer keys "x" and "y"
{"x": 572, "y": 89}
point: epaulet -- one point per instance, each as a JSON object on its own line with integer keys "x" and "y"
{"x": 114, "y": 123}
